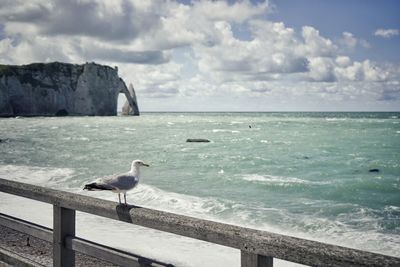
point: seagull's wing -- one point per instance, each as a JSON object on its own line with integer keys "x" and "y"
{"x": 100, "y": 184}
{"x": 119, "y": 182}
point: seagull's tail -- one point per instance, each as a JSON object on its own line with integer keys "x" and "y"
{"x": 96, "y": 186}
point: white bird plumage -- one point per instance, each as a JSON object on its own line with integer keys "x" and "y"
{"x": 119, "y": 183}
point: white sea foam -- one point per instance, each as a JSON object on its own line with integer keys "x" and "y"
{"x": 335, "y": 119}
{"x": 154, "y": 197}
{"x": 392, "y": 208}
{"x": 225, "y": 131}
{"x": 129, "y": 129}
{"x": 35, "y": 175}
{"x": 77, "y": 138}
{"x": 273, "y": 179}
{"x": 278, "y": 180}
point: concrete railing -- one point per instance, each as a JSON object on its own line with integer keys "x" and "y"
{"x": 258, "y": 248}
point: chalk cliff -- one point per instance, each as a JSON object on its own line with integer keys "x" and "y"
{"x": 59, "y": 89}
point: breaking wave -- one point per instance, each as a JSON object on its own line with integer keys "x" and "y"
{"x": 279, "y": 180}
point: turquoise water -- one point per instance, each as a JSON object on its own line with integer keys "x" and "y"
{"x": 303, "y": 174}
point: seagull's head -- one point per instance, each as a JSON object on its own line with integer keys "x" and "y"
{"x": 137, "y": 163}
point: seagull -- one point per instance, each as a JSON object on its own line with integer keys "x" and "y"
{"x": 119, "y": 183}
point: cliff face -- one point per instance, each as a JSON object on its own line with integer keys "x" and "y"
{"x": 51, "y": 89}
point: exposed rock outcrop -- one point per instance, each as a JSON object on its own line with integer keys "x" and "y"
{"x": 197, "y": 140}
{"x": 61, "y": 89}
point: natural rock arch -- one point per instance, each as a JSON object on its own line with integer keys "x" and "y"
{"x": 130, "y": 107}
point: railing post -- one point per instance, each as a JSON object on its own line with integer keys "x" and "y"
{"x": 248, "y": 259}
{"x": 63, "y": 226}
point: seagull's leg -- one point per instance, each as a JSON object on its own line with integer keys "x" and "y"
{"x": 125, "y": 198}
{"x": 119, "y": 198}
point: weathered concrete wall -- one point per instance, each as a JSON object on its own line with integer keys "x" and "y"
{"x": 51, "y": 89}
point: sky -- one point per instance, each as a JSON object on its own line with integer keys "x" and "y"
{"x": 277, "y": 55}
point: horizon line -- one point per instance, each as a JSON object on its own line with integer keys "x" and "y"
{"x": 287, "y": 111}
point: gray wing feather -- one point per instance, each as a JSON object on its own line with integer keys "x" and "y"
{"x": 121, "y": 182}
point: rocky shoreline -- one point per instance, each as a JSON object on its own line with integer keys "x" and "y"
{"x": 37, "y": 250}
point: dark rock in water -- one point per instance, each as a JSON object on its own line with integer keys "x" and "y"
{"x": 197, "y": 140}
{"x": 306, "y": 157}
{"x": 374, "y": 170}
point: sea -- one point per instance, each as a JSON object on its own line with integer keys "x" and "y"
{"x": 330, "y": 177}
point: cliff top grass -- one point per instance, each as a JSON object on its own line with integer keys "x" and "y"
{"x": 5, "y": 70}
{"x": 49, "y": 68}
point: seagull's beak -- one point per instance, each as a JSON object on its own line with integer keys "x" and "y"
{"x": 147, "y": 165}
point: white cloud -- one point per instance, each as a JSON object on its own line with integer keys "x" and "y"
{"x": 321, "y": 69}
{"x": 145, "y": 39}
{"x": 387, "y": 33}
{"x": 315, "y": 44}
{"x": 270, "y": 51}
{"x": 348, "y": 40}
{"x": 185, "y": 25}
{"x": 118, "y": 21}
{"x": 79, "y": 30}
{"x": 39, "y": 48}
{"x": 362, "y": 71}
{"x": 153, "y": 81}
{"x": 342, "y": 61}
{"x": 222, "y": 11}
{"x": 348, "y": 43}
